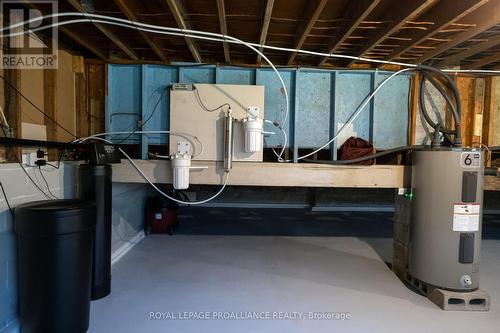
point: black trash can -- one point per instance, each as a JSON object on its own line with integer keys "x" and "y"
{"x": 55, "y": 240}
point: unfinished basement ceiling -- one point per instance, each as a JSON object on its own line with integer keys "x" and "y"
{"x": 463, "y": 33}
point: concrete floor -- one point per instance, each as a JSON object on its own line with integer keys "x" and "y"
{"x": 254, "y": 265}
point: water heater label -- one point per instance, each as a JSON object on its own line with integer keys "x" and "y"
{"x": 466, "y": 216}
{"x": 470, "y": 159}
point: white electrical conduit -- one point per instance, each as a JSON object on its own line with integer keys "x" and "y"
{"x": 186, "y": 33}
{"x": 160, "y": 30}
{"x": 216, "y": 37}
{"x": 226, "y": 180}
{"x": 182, "y": 135}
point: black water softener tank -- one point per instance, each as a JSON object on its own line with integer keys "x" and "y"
{"x": 54, "y": 241}
{"x": 94, "y": 183}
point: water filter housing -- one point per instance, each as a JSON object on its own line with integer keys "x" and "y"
{"x": 446, "y": 216}
{"x": 181, "y": 164}
{"x": 253, "y": 134}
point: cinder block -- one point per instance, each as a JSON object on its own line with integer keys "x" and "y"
{"x": 477, "y": 300}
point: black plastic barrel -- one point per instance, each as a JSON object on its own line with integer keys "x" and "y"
{"x": 94, "y": 183}
{"x": 55, "y": 240}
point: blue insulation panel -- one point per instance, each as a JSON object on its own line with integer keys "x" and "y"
{"x": 313, "y": 108}
{"x": 319, "y": 100}
{"x": 124, "y": 101}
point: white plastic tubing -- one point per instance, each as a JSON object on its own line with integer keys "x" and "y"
{"x": 104, "y": 19}
{"x": 98, "y": 137}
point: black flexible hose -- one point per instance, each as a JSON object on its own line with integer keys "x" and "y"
{"x": 423, "y": 108}
{"x": 457, "y": 111}
{"x": 366, "y": 157}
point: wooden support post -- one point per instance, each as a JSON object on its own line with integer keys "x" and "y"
{"x": 465, "y": 86}
{"x": 50, "y": 107}
{"x": 414, "y": 98}
{"x": 95, "y": 96}
{"x": 83, "y": 117}
{"x": 477, "y": 115}
{"x": 12, "y": 109}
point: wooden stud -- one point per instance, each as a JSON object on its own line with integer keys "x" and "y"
{"x": 178, "y": 14}
{"x": 78, "y": 64}
{"x": 83, "y": 117}
{"x": 12, "y": 110}
{"x": 477, "y": 115}
{"x": 50, "y": 107}
{"x": 465, "y": 86}
{"x": 414, "y": 100}
{"x": 315, "y": 8}
{"x": 265, "y": 27}
{"x": 358, "y": 11}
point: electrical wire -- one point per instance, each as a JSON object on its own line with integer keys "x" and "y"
{"x": 46, "y": 183}
{"x": 197, "y": 94}
{"x": 156, "y": 188}
{"x": 105, "y": 19}
{"x": 58, "y": 161}
{"x": 7, "y": 200}
{"x": 179, "y": 134}
{"x": 24, "y": 170}
{"x": 147, "y": 119}
{"x": 226, "y": 180}
{"x": 135, "y": 25}
{"x": 207, "y": 36}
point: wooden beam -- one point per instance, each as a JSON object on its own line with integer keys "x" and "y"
{"x": 12, "y": 109}
{"x": 271, "y": 174}
{"x": 178, "y": 14}
{"x": 442, "y": 14}
{"x": 473, "y": 50}
{"x": 404, "y": 11}
{"x": 221, "y": 9}
{"x": 357, "y": 11}
{"x": 50, "y": 108}
{"x": 280, "y": 174}
{"x": 315, "y": 8}
{"x": 108, "y": 33}
{"x": 414, "y": 99}
{"x": 484, "y": 18}
{"x": 484, "y": 61}
{"x": 84, "y": 43}
{"x": 129, "y": 13}
{"x": 265, "y": 26}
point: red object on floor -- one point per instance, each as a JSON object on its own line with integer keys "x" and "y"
{"x": 161, "y": 216}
